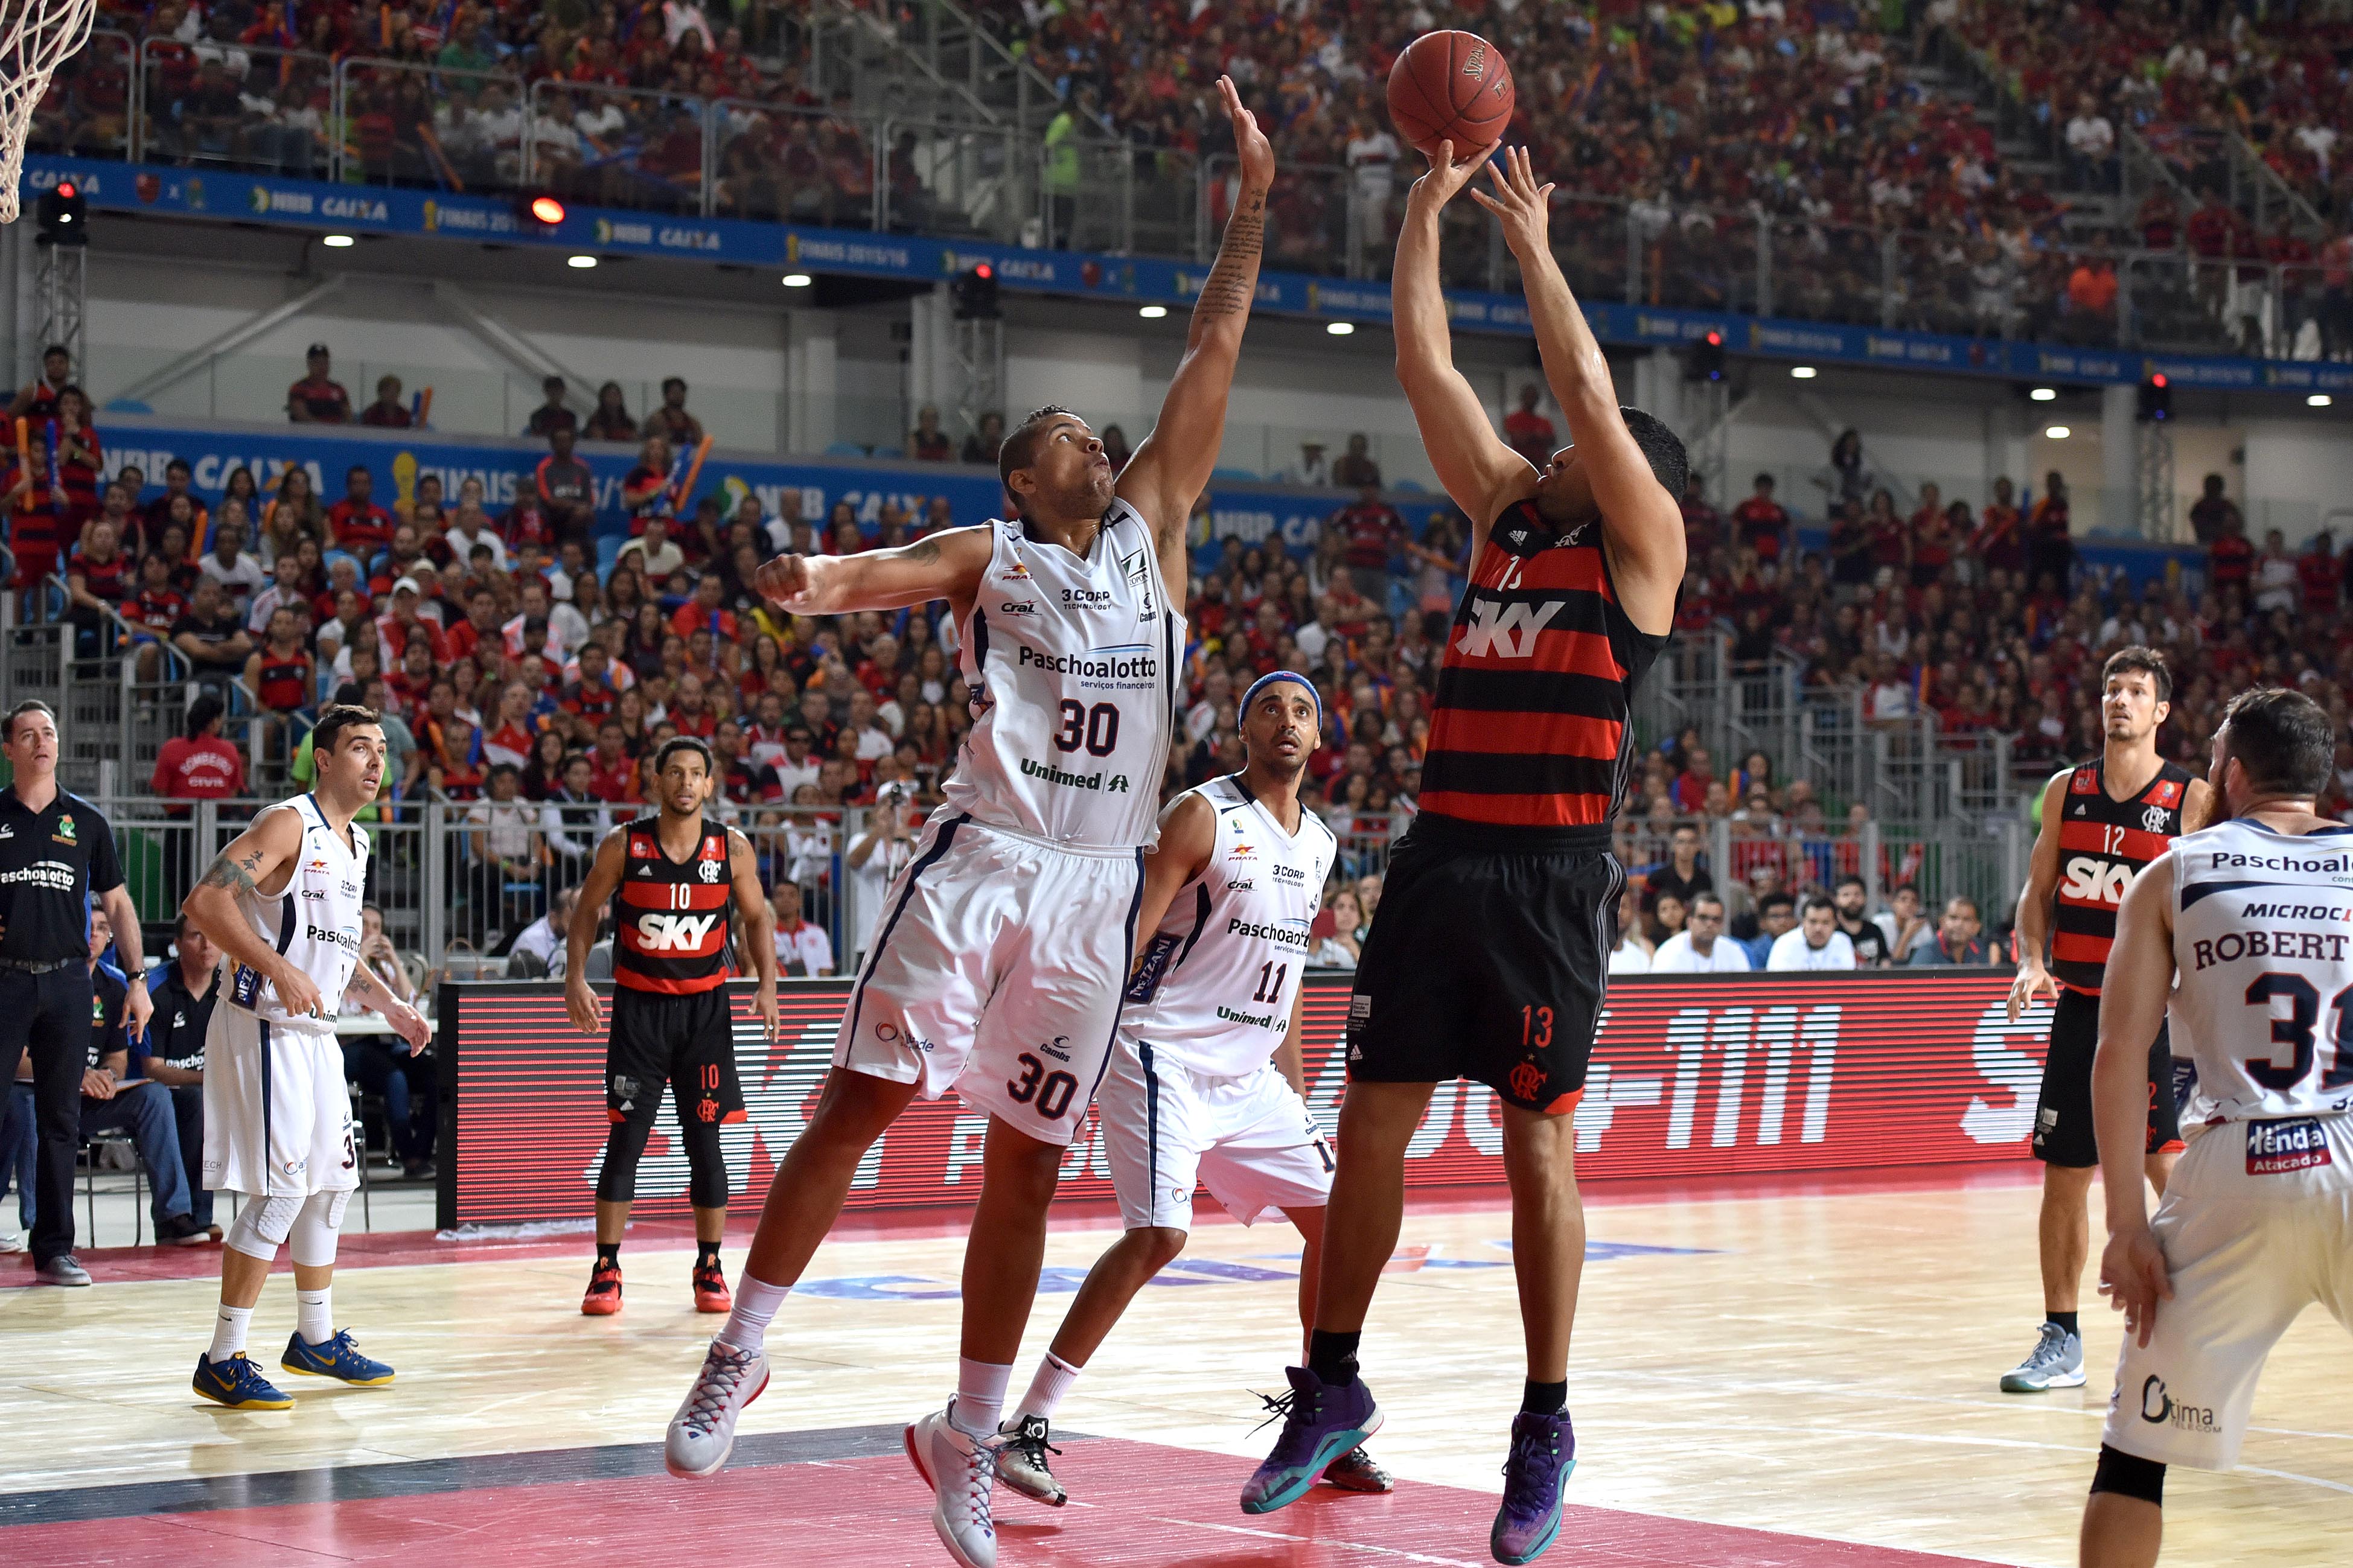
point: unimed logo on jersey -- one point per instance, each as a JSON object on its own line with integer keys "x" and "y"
{"x": 675, "y": 933}
{"x": 1506, "y": 631}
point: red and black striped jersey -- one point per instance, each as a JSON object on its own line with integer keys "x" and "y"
{"x": 2101, "y": 842}
{"x": 671, "y": 920}
{"x": 1528, "y": 729}
{"x": 285, "y": 683}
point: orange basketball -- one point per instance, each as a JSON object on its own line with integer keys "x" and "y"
{"x": 1451, "y": 87}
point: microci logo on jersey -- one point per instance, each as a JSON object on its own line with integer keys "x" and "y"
{"x": 2159, "y": 1409}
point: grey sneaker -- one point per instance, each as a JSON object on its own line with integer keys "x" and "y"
{"x": 2057, "y": 1363}
{"x": 62, "y": 1269}
{"x": 1021, "y": 1462}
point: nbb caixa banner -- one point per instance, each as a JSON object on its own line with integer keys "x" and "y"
{"x": 1690, "y": 1076}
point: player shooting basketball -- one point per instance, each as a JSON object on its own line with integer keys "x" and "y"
{"x": 1488, "y": 957}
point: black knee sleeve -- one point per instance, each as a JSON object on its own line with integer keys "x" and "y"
{"x": 2129, "y": 1475}
{"x": 617, "y": 1182}
{"x": 706, "y": 1166}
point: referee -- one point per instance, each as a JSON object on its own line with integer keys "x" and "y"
{"x": 55, "y": 850}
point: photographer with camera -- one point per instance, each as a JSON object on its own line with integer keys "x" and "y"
{"x": 879, "y": 854}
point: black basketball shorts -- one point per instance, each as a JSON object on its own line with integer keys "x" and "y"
{"x": 1487, "y": 963}
{"x": 2063, "y": 1118}
{"x": 687, "y": 1041}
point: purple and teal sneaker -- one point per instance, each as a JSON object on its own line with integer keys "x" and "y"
{"x": 1321, "y": 1421}
{"x": 1543, "y": 1451}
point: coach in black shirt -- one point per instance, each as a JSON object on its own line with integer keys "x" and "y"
{"x": 56, "y": 851}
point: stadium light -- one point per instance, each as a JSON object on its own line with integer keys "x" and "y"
{"x": 1705, "y": 359}
{"x": 2058, "y": 432}
{"x": 797, "y": 281}
{"x": 1340, "y": 329}
{"x": 2318, "y": 400}
{"x": 582, "y": 262}
{"x": 337, "y": 241}
{"x": 2044, "y": 394}
{"x": 1152, "y": 312}
{"x": 63, "y": 214}
{"x": 547, "y": 210}
{"x": 2155, "y": 399}
{"x": 1802, "y": 373}
{"x": 972, "y": 294}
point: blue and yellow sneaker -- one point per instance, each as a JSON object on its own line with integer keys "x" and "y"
{"x": 238, "y": 1384}
{"x": 338, "y": 1358}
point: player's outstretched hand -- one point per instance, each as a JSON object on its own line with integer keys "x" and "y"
{"x": 1445, "y": 176}
{"x": 2032, "y": 978}
{"x": 1251, "y": 146}
{"x": 580, "y": 1003}
{"x": 1524, "y": 206}
{"x": 784, "y": 582}
{"x": 763, "y": 1003}
{"x": 2133, "y": 1278}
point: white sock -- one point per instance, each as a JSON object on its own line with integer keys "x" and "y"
{"x": 314, "y": 1315}
{"x": 229, "y": 1332}
{"x": 756, "y": 1301}
{"x": 1054, "y": 1378}
{"x": 980, "y": 1397}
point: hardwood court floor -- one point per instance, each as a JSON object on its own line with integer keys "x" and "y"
{"x": 1817, "y": 1362}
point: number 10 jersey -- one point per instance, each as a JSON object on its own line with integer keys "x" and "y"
{"x": 1073, "y": 665}
{"x": 1214, "y": 990}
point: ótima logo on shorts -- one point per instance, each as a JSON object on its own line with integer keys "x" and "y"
{"x": 2159, "y": 1409}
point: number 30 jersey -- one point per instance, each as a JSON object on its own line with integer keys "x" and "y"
{"x": 2262, "y": 944}
{"x": 1072, "y": 664}
{"x": 1214, "y": 990}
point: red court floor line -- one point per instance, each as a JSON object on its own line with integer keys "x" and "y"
{"x": 1142, "y": 1507}
{"x": 382, "y": 1250}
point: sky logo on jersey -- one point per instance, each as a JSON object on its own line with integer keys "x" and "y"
{"x": 1506, "y": 631}
{"x": 2095, "y": 881}
{"x": 674, "y": 934}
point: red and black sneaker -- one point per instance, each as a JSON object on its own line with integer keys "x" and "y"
{"x": 711, "y": 1292}
{"x": 604, "y": 1297}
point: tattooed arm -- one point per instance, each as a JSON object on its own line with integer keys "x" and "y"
{"x": 1172, "y": 467}
{"x": 263, "y": 855}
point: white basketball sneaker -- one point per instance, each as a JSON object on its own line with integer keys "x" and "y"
{"x": 702, "y": 1433}
{"x": 961, "y": 1470}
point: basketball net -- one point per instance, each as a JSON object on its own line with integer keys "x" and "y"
{"x": 37, "y": 37}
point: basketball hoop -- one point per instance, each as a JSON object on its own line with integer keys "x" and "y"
{"x": 37, "y": 37}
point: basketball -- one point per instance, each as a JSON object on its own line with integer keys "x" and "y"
{"x": 1451, "y": 87}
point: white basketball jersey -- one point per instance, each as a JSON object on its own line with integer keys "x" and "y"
{"x": 1214, "y": 990}
{"x": 315, "y": 922}
{"x": 1073, "y": 663}
{"x": 2263, "y": 940}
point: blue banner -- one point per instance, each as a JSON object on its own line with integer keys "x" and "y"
{"x": 399, "y": 460}
{"x": 226, "y": 196}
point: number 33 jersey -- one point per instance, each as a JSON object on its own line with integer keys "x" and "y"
{"x": 1214, "y": 990}
{"x": 1073, "y": 662}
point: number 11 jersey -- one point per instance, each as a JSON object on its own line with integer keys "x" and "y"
{"x": 1215, "y": 987}
{"x": 1073, "y": 663}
